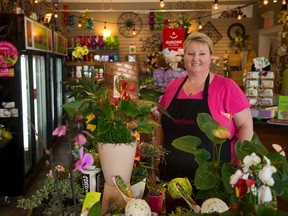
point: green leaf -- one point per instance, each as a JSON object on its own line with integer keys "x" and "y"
{"x": 261, "y": 210}
{"x": 188, "y": 144}
{"x": 227, "y": 171}
{"x": 206, "y": 124}
{"x": 95, "y": 209}
{"x": 205, "y": 177}
{"x": 245, "y": 148}
{"x": 129, "y": 108}
{"x": 70, "y": 107}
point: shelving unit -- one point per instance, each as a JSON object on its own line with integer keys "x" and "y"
{"x": 259, "y": 88}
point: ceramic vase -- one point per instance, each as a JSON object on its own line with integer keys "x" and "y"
{"x": 115, "y": 159}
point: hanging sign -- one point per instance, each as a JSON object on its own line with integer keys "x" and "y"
{"x": 173, "y": 38}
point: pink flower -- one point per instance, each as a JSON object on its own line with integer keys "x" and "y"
{"x": 84, "y": 161}
{"x": 60, "y": 131}
{"x": 80, "y": 139}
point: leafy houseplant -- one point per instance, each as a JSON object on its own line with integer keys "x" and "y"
{"x": 246, "y": 187}
{"x": 47, "y": 195}
{"x": 151, "y": 154}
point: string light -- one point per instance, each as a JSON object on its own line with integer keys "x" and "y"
{"x": 216, "y": 4}
{"x": 106, "y": 32}
{"x": 265, "y": 2}
{"x": 274, "y": 1}
{"x": 35, "y": 1}
{"x": 239, "y": 17}
{"x": 134, "y": 31}
{"x": 56, "y": 15}
{"x": 79, "y": 23}
{"x": 200, "y": 26}
{"x": 283, "y": 2}
{"x": 162, "y": 4}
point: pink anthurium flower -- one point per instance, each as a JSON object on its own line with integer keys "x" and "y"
{"x": 80, "y": 139}
{"x": 84, "y": 161}
{"x": 60, "y": 131}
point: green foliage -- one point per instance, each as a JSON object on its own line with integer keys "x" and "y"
{"x": 212, "y": 177}
{"x": 47, "y": 195}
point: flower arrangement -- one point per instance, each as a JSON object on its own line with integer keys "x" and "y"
{"x": 5, "y": 136}
{"x": 247, "y": 187}
{"x": 183, "y": 22}
{"x": 239, "y": 41}
{"x": 47, "y": 195}
{"x": 282, "y": 17}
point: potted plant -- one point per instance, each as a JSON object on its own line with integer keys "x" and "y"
{"x": 152, "y": 153}
{"x": 47, "y": 197}
{"x": 112, "y": 123}
{"x": 246, "y": 187}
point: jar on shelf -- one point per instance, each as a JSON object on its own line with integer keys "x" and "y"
{"x": 115, "y": 42}
{"x": 101, "y": 42}
{"x": 93, "y": 42}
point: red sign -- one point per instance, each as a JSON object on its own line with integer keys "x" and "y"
{"x": 173, "y": 38}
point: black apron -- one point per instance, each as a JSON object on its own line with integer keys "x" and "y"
{"x": 183, "y": 122}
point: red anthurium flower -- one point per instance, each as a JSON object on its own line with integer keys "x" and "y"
{"x": 60, "y": 131}
{"x": 80, "y": 139}
{"x": 116, "y": 101}
{"x": 127, "y": 86}
{"x": 242, "y": 186}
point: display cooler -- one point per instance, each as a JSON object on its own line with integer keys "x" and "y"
{"x": 31, "y": 63}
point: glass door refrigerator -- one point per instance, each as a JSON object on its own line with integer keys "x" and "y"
{"x": 29, "y": 85}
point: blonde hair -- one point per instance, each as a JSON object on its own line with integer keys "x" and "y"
{"x": 199, "y": 37}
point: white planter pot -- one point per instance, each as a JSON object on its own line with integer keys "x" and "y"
{"x": 117, "y": 159}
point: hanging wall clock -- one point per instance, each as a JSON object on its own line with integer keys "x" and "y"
{"x": 129, "y": 24}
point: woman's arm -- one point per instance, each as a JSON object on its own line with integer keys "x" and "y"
{"x": 244, "y": 124}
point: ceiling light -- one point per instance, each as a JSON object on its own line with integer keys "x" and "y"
{"x": 162, "y": 4}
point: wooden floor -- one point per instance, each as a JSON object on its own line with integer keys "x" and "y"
{"x": 8, "y": 204}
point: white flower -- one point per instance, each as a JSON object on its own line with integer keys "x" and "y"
{"x": 235, "y": 177}
{"x": 252, "y": 159}
{"x": 264, "y": 194}
{"x": 265, "y": 174}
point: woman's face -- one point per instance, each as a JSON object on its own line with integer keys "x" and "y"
{"x": 197, "y": 57}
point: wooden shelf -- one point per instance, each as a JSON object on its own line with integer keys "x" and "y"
{"x": 88, "y": 63}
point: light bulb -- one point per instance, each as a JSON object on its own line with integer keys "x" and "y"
{"x": 239, "y": 17}
{"x": 56, "y": 15}
{"x": 265, "y": 2}
{"x": 162, "y": 4}
{"x": 216, "y": 6}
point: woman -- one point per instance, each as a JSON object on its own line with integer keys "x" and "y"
{"x": 200, "y": 91}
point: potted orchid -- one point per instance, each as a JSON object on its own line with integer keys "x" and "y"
{"x": 250, "y": 188}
